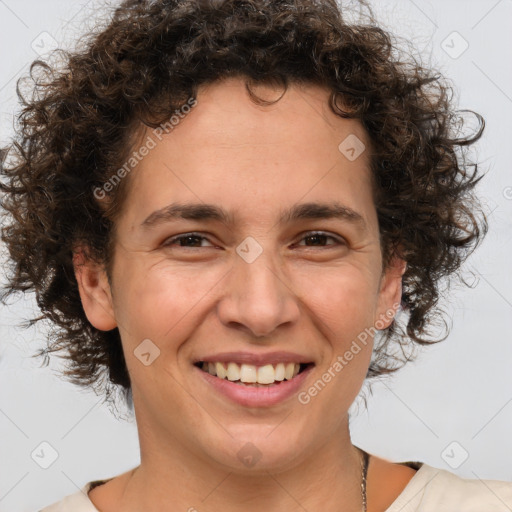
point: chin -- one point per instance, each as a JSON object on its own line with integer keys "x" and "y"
{"x": 259, "y": 450}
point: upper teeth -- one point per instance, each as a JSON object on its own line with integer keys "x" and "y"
{"x": 250, "y": 373}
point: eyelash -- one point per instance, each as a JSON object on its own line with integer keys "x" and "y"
{"x": 308, "y": 234}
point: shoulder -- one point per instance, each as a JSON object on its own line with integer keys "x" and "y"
{"x": 97, "y": 493}
{"x": 76, "y": 502}
{"x": 437, "y": 490}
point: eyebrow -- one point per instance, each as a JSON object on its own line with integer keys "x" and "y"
{"x": 211, "y": 212}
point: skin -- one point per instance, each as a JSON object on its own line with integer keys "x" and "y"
{"x": 308, "y": 296}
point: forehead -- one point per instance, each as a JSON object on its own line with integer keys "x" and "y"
{"x": 231, "y": 151}
{"x": 295, "y": 116}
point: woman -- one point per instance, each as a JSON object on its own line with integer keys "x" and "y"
{"x": 229, "y": 202}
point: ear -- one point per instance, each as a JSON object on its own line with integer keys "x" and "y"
{"x": 94, "y": 290}
{"x": 390, "y": 293}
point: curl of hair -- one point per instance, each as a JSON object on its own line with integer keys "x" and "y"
{"x": 76, "y": 128}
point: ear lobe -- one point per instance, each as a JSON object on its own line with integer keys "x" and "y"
{"x": 94, "y": 290}
{"x": 390, "y": 293}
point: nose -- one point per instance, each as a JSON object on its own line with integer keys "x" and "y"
{"x": 259, "y": 298}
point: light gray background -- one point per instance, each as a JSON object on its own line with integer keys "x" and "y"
{"x": 458, "y": 391}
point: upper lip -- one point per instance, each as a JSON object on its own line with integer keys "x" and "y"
{"x": 255, "y": 359}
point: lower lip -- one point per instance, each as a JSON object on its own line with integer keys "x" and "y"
{"x": 251, "y": 396}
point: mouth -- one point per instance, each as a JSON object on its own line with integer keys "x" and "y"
{"x": 251, "y": 375}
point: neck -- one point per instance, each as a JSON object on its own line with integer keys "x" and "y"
{"x": 327, "y": 478}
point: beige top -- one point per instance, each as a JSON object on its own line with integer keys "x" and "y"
{"x": 429, "y": 490}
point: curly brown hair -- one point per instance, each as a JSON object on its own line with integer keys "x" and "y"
{"x": 76, "y": 128}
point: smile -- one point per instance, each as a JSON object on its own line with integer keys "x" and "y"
{"x": 249, "y": 374}
{"x": 254, "y": 379}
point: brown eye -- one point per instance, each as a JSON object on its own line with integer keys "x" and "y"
{"x": 320, "y": 239}
{"x": 185, "y": 240}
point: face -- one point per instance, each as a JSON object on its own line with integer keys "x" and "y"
{"x": 247, "y": 237}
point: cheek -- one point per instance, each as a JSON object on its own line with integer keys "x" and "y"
{"x": 343, "y": 303}
{"x": 161, "y": 303}
{"x": 344, "y": 299}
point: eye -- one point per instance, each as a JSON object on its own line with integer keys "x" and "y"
{"x": 318, "y": 238}
{"x": 186, "y": 240}
{"x": 312, "y": 239}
